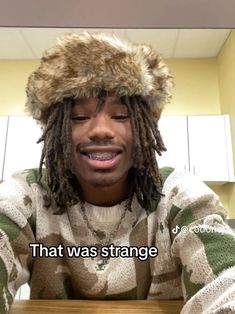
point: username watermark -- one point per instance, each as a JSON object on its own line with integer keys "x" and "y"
{"x": 194, "y": 229}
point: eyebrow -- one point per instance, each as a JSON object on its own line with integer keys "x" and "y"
{"x": 117, "y": 101}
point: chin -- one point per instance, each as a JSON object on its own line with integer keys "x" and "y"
{"x": 102, "y": 180}
{"x": 102, "y": 183}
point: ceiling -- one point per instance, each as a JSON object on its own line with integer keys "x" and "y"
{"x": 29, "y": 43}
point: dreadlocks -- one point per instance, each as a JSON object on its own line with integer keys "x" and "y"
{"x": 147, "y": 140}
{"x": 57, "y": 153}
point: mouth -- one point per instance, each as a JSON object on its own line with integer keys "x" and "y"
{"x": 101, "y": 159}
{"x": 102, "y": 156}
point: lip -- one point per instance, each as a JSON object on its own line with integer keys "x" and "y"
{"x": 102, "y": 164}
{"x": 100, "y": 149}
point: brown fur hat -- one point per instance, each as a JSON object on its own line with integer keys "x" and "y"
{"x": 81, "y": 65}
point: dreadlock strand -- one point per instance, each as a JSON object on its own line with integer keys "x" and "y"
{"x": 159, "y": 146}
{"x": 65, "y": 153}
{"x": 101, "y": 101}
{"x": 50, "y": 123}
{"x": 149, "y": 182}
{"x": 66, "y": 134}
{"x": 134, "y": 125}
{"x": 142, "y": 136}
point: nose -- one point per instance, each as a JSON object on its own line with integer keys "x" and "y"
{"x": 101, "y": 127}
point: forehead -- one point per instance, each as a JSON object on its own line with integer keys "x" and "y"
{"x": 93, "y": 101}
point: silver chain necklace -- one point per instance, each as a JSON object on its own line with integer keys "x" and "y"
{"x": 100, "y": 236}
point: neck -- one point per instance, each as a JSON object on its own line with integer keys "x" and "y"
{"x": 107, "y": 195}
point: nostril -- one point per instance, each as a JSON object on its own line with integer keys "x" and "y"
{"x": 99, "y": 139}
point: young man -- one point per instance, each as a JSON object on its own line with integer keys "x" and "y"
{"x": 100, "y": 221}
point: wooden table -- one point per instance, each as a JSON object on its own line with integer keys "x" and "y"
{"x": 93, "y": 306}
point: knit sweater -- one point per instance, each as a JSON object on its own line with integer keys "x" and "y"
{"x": 192, "y": 251}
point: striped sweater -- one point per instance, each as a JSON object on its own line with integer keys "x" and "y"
{"x": 183, "y": 249}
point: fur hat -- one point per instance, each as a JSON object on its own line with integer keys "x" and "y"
{"x": 81, "y": 65}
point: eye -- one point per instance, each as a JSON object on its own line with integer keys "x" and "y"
{"x": 120, "y": 117}
{"x": 80, "y": 118}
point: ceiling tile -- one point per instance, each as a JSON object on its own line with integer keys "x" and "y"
{"x": 39, "y": 39}
{"x": 12, "y": 45}
{"x": 29, "y": 43}
{"x": 163, "y": 40}
{"x": 200, "y": 43}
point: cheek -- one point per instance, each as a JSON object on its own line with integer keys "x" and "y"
{"x": 130, "y": 140}
{"x": 130, "y": 133}
{"x": 75, "y": 137}
{"x": 128, "y": 137}
{"x": 78, "y": 132}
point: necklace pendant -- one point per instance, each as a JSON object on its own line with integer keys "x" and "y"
{"x": 101, "y": 265}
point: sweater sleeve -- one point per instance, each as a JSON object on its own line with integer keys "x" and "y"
{"x": 16, "y": 232}
{"x": 204, "y": 244}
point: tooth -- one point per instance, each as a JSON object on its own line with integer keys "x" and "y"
{"x": 102, "y": 156}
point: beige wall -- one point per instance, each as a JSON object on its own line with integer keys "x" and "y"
{"x": 196, "y": 87}
{"x": 226, "y": 71}
{"x": 196, "y": 91}
{"x": 13, "y": 78}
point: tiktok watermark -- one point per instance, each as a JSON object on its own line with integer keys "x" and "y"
{"x": 195, "y": 229}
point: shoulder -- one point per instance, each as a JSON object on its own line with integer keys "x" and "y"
{"x": 21, "y": 189}
{"x": 165, "y": 172}
{"x": 186, "y": 197}
{"x": 184, "y": 187}
{"x": 26, "y": 179}
{"x": 18, "y": 194}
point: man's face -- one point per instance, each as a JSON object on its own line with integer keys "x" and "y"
{"x": 102, "y": 143}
